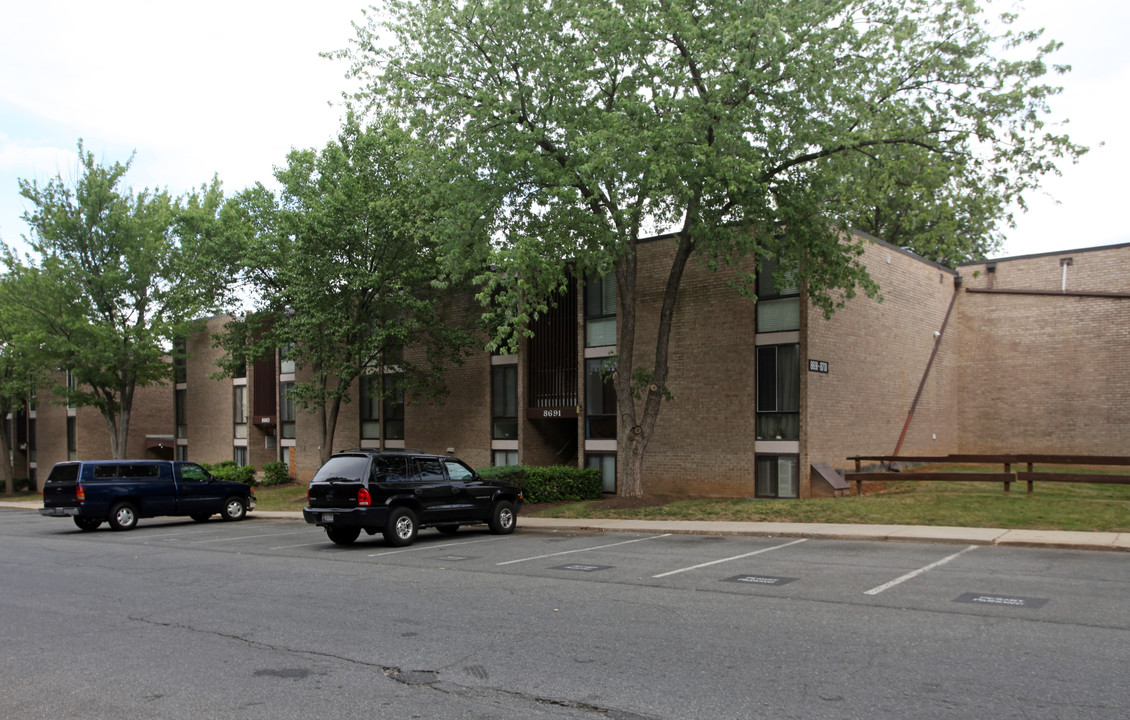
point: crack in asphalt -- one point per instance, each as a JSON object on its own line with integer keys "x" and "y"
{"x": 429, "y": 679}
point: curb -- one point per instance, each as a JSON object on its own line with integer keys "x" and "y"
{"x": 1057, "y": 539}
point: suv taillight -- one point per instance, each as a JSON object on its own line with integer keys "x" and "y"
{"x": 80, "y": 493}
{"x": 363, "y": 498}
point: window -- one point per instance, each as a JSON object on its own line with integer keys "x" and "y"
{"x": 778, "y": 300}
{"x": 502, "y": 458}
{"x": 600, "y": 400}
{"x": 600, "y": 310}
{"x": 777, "y": 476}
{"x": 286, "y": 364}
{"x": 239, "y": 411}
{"x": 504, "y": 402}
{"x": 286, "y": 411}
{"x": 239, "y": 454}
{"x": 193, "y": 472}
{"x": 393, "y": 407}
{"x": 370, "y": 401}
{"x": 72, "y": 441}
{"x": 606, "y": 464}
{"x": 72, "y": 386}
{"x": 778, "y": 392}
{"x": 428, "y": 470}
{"x": 180, "y": 400}
{"x": 458, "y": 471}
{"x": 180, "y": 361}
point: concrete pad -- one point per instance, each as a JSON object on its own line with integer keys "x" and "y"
{"x": 1063, "y": 539}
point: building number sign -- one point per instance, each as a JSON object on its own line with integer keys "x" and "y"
{"x": 820, "y": 366}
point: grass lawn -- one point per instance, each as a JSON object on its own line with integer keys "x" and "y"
{"x": 1053, "y": 506}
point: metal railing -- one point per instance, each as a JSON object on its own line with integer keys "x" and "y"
{"x": 1007, "y": 477}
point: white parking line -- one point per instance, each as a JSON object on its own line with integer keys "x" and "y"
{"x": 246, "y": 537}
{"x": 729, "y": 559}
{"x": 433, "y": 547}
{"x": 570, "y": 552}
{"x": 919, "y": 571}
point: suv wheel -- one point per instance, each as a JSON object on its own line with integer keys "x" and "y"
{"x": 342, "y": 536}
{"x": 234, "y": 509}
{"x": 503, "y": 519}
{"x": 87, "y": 524}
{"x": 401, "y": 527}
{"x": 123, "y": 516}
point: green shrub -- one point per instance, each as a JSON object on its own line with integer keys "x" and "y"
{"x": 228, "y": 470}
{"x": 548, "y": 484}
{"x": 276, "y": 473}
{"x": 21, "y": 484}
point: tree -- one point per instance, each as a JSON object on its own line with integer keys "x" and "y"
{"x": 744, "y": 128}
{"x": 22, "y": 368}
{"x": 344, "y": 272}
{"x": 117, "y": 278}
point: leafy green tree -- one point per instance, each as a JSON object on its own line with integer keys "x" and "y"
{"x": 114, "y": 278}
{"x": 742, "y": 128}
{"x": 22, "y": 368}
{"x": 344, "y": 274}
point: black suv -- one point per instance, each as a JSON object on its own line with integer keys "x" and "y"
{"x": 397, "y": 493}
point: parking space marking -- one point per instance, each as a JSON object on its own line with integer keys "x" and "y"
{"x": 246, "y": 537}
{"x": 432, "y": 547}
{"x": 570, "y": 552}
{"x": 919, "y": 571}
{"x": 725, "y": 560}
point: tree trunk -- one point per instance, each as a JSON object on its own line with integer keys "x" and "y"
{"x": 636, "y": 429}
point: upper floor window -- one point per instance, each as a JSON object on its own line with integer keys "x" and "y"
{"x": 393, "y": 407}
{"x": 370, "y": 402}
{"x": 778, "y": 392}
{"x": 600, "y": 310}
{"x": 286, "y": 412}
{"x": 286, "y": 363}
{"x": 600, "y": 400}
{"x": 778, "y": 299}
{"x": 504, "y": 402}
{"x": 239, "y": 411}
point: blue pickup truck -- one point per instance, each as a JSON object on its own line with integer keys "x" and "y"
{"x": 121, "y": 491}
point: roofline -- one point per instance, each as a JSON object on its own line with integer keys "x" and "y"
{"x": 1116, "y": 246}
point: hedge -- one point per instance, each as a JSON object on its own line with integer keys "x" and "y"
{"x": 276, "y": 473}
{"x": 228, "y": 470}
{"x": 548, "y": 484}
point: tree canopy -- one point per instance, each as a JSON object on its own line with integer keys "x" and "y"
{"x": 115, "y": 277}
{"x": 760, "y": 128}
{"x": 343, "y": 270}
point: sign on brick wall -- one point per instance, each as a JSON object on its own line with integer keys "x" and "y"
{"x": 820, "y": 366}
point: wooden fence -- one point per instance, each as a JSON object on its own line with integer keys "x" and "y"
{"x": 1008, "y": 476}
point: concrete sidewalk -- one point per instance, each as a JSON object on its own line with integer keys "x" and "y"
{"x": 906, "y": 533}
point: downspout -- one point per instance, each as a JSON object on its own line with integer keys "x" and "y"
{"x": 929, "y": 364}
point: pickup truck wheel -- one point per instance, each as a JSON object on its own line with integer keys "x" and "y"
{"x": 87, "y": 524}
{"x": 342, "y": 536}
{"x": 448, "y": 529}
{"x": 400, "y": 530}
{"x": 123, "y": 516}
{"x": 234, "y": 509}
{"x": 503, "y": 519}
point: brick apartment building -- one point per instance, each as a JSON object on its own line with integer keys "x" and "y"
{"x": 1026, "y": 354}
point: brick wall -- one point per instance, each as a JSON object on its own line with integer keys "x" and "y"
{"x": 877, "y": 353}
{"x": 1046, "y": 373}
{"x": 209, "y": 412}
{"x": 703, "y": 443}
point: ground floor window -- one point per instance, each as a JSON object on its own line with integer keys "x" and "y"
{"x": 505, "y": 457}
{"x": 239, "y": 454}
{"x": 777, "y": 476}
{"x": 606, "y": 464}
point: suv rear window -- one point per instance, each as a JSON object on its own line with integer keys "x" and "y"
{"x": 343, "y": 467}
{"x": 63, "y": 474}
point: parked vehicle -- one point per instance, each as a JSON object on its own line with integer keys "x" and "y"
{"x": 122, "y": 491}
{"x": 397, "y": 493}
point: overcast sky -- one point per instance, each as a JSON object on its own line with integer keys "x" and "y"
{"x": 228, "y": 87}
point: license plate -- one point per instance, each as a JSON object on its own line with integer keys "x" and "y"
{"x": 327, "y": 517}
